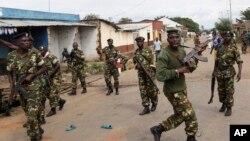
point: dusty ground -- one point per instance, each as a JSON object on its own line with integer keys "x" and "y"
{"x": 88, "y": 112}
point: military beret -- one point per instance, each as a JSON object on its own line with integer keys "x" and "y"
{"x": 228, "y": 32}
{"x": 110, "y": 40}
{"x": 42, "y": 48}
{"x": 140, "y": 38}
{"x": 20, "y": 35}
{"x": 173, "y": 31}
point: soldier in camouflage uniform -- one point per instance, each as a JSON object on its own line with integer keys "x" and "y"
{"x": 244, "y": 39}
{"x": 197, "y": 40}
{"x": 171, "y": 70}
{"x": 25, "y": 62}
{"x": 77, "y": 58}
{"x": 227, "y": 55}
{"x": 54, "y": 79}
{"x": 110, "y": 69}
{"x": 147, "y": 90}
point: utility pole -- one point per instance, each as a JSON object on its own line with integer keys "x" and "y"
{"x": 49, "y": 5}
{"x": 230, "y": 11}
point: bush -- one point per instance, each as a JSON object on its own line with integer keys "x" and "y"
{"x": 94, "y": 68}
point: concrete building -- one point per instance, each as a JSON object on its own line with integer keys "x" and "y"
{"x": 53, "y": 30}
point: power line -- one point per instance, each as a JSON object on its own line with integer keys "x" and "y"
{"x": 135, "y": 6}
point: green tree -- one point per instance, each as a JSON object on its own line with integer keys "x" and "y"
{"x": 245, "y": 15}
{"x": 223, "y": 24}
{"x": 189, "y": 23}
{"x": 91, "y": 16}
{"x": 159, "y": 17}
{"x": 125, "y": 20}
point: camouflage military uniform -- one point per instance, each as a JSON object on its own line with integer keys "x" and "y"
{"x": 21, "y": 64}
{"x": 78, "y": 68}
{"x": 225, "y": 72}
{"x": 196, "y": 41}
{"x": 175, "y": 90}
{"x": 147, "y": 89}
{"x": 53, "y": 95}
{"x": 110, "y": 68}
{"x": 244, "y": 39}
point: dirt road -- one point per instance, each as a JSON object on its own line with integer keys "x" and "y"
{"x": 88, "y": 112}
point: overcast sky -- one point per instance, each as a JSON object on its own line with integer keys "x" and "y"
{"x": 204, "y": 12}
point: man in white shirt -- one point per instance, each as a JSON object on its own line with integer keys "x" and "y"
{"x": 157, "y": 47}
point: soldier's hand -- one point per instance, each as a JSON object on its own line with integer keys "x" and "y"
{"x": 238, "y": 77}
{"x": 184, "y": 69}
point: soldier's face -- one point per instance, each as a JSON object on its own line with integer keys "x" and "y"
{"x": 140, "y": 43}
{"x": 227, "y": 37}
{"x": 75, "y": 46}
{"x": 110, "y": 43}
{"x": 174, "y": 40}
{"x": 23, "y": 43}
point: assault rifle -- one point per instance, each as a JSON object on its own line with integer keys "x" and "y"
{"x": 147, "y": 74}
{"x": 18, "y": 88}
{"x": 194, "y": 54}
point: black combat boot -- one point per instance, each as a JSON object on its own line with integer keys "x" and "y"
{"x": 156, "y": 131}
{"x": 228, "y": 112}
{"x": 117, "y": 91}
{"x": 110, "y": 91}
{"x": 25, "y": 125}
{"x": 191, "y": 138}
{"x": 43, "y": 120}
{"x": 223, "y": 108}
{"x": 84, "y": 90}
{"x": 61, "y": 103}
{"x": 51, "y": 112}
{"x": 153, "y": 108}
{"x": 34, "y": 139}
{"x": 73, "y": 92}
{"x": 145, "y": 111}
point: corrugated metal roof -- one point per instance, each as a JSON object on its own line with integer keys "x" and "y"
{"x": 133, "y": 26}
{"x": 24, "y": 23}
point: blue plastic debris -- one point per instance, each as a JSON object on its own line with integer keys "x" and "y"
{"x": 71, "y": 127}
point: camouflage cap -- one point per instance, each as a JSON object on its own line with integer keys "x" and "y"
{"x": 110, "y": 40}
{"x": 139, "y": 38}
{"x": 20, "y": 35}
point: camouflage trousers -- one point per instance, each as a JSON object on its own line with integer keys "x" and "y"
{"x": 54, "y": 95}
{"x": 108, "y": 73}
{"x": 33, "y": 106}
{"x": 79, "y": 73}
{"x": 226, "y": 90}
{"x": 183, "y": 112}
{"x": 244, "y": 48}
{"x": 148, "y": 92}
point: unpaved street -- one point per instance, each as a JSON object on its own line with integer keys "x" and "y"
{"x": 88, "y": 112}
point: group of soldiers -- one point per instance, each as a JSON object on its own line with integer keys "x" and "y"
{"x": 42, "y": 78}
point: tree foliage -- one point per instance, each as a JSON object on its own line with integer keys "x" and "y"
{"x": 223, "y": 24}
{"x": 189, "y": 23}
{"x": 245, "y": 15}
{"x": 125, "y": 20}
{"x": 159, "y": 17}
{"x": 91, "y": 16}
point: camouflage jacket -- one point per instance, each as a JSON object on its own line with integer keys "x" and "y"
{"x": 23, "y": 64}
{"x": 145, "y": 56}
{"x": 244, "y": 38}
{"x": 226, "y": 58}
{"x": 77, "y": 58}
{"x": 50, "y": 61}
{"x": 111, "y": 54}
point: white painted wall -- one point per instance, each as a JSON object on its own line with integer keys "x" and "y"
{"x": 63, "y": 37}
{"x": 88, "y": 43}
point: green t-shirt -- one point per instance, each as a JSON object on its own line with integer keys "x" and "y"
{"x": 167, "y": 63}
